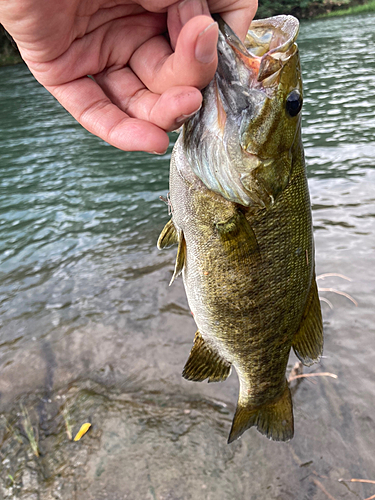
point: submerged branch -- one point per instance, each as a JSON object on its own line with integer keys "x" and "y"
{"x": 319, "y": 485}
{"x": 339, "y": 293}
{"x": 356, "y": 481}
{"x": 319, "y": 374}
{"x": 326, "y": 275}
{"x": 323, "y": 299}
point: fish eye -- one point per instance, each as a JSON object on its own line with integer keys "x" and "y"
{"x": 294, "y": 103}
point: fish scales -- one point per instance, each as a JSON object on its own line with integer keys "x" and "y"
{"x": 273, "y": 285}
{"x": 248, "y": 271}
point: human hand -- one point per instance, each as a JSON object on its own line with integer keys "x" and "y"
{"x": 141, "y": 84}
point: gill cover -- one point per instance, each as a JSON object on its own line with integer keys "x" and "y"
{"x": 239, "y": 144}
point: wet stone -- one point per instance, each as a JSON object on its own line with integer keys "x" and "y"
{"x": 79, "y": 458}
{"x": 29, "y": 496}
{"x": 29, "y": 480}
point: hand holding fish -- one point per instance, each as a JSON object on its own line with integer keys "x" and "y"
{"x": 143, "y": 83}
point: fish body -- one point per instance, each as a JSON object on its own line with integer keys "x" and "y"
{"x": 241, "y": 217}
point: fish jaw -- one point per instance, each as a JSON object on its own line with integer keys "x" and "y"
{"x": 243, "y": 129}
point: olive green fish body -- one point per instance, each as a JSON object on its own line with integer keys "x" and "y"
{"x": 248, "y": 271}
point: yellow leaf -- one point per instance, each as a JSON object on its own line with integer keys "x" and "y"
{"x": 84, "y": 428}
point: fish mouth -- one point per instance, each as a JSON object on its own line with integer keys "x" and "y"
{"x": 268, "y": 45}
{"x": 248, "y": 74}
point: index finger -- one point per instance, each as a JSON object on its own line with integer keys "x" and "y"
{"x": 192, "y": 64}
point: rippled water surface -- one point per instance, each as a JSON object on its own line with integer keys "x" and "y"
{"x": 90, "y": 329}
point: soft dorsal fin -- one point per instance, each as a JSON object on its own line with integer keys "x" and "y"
{"x": 204, "y": 363}
{"x": 181, "y": 255}
{"x": 168, "y": 237}
{"x": 308, "y": 341}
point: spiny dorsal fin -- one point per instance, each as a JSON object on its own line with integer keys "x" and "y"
{"x": 168, "y": 236}
{"x": 204, "y": 363}
{"x": 308, "y": 341}
{"x": 180, "y": 259}
{"x": 274, "y": 420}
{"x": 238, "y": 236}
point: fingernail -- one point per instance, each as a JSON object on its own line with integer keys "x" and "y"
{"x": 191, "y": 8}
{"x": 205, "y": 47}
{"x": 157, "y": 153}
{"x": 183, "y": 118}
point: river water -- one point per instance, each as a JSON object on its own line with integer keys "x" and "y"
{"x": 90, "y": 330}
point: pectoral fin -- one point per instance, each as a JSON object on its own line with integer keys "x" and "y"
{"x": 238, "y": 237}
{"x": 180, "y": 259}
{"x": 274, "y": 420}
{"x": 308, "y": 341}
{"x": 204, "y": 363}
{"x": 168, "y": 236}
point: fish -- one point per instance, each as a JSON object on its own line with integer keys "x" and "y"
{"x": 241, "y": 217}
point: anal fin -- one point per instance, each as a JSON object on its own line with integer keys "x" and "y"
{"x": 274, "y": 420}
{"x": 308, "y": 341}
{"x": 204, "y": 363}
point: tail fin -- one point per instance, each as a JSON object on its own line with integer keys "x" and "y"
{"x": 274, "y": 420}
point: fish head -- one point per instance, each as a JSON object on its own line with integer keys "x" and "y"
{"x": 240, "y": 143}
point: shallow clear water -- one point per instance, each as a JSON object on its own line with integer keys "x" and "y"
{"x": 89, "y": 325}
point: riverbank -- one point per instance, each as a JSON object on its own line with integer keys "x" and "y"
{"x": 350, "y": 10}
{"x": 314, "y": 9}
{"x": 9, "y": 58}
{"x": 9, "y": 54}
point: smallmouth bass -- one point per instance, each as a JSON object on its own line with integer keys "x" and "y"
{"x": 241, "y": 217}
